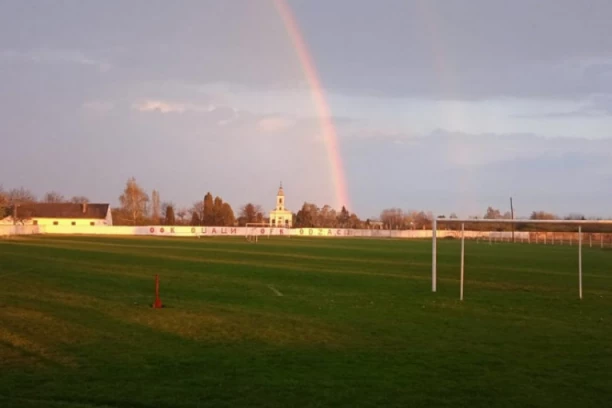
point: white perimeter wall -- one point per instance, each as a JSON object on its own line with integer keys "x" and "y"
{"x": 6, "y": 230}
{"x": 243, "y": 231}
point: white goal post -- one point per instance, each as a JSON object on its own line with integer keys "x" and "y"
{"x": 254, "y": 230}
{"x": 434, "y": 250}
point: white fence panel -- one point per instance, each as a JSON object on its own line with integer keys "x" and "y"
{"x": 188, "y": 231}
{"x": 10, "y": 230}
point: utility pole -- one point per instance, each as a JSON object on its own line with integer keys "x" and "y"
{"x": 512, "y": 216}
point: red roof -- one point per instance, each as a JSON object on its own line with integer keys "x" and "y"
{"x": 62, "y": 210}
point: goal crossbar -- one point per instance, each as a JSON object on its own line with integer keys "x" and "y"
{"x": 434, "y": 250}
{"x": 256, "y": 227}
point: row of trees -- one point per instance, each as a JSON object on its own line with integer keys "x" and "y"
{"x": 137, "y": 207}
{"x": 495, "y": 214}
{"x": 311, "y": 216}
{"x": 396, "y": 218}
{"x": 12, "y": 197}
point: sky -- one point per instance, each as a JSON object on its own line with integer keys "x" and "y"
{"x": 446, "y": 106}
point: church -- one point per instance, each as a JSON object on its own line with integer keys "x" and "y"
{"x": 280, "y": 217}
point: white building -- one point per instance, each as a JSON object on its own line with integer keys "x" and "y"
{"x": 66, "y": 214}
{"x": 280, "y": 216}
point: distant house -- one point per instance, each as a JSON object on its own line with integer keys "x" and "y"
{"x": 65, "y": 214}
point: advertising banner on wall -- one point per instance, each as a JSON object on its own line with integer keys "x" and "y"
{"x": 188, "y": 231}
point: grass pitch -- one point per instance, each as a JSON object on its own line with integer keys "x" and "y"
{"x": 301, "y": 323}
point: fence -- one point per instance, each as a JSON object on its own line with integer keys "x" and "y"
{"x": 11, "y": 230}
{"x": 546, "y": 238}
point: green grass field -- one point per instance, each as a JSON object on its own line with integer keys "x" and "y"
{"x": 356, "y": 326}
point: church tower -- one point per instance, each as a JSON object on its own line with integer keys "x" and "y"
{"x": 280, "y": 198}
{"x": 280, "y": 217}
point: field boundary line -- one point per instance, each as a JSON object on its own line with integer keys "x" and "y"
{"x": 276, "y": 291}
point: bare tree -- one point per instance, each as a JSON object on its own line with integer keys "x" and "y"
{"x": 4, "y": 203}
{"x": 198, "y": 210}
{"x": 542, "y": 215}
{"x": 307, "y": 216}
{"x": 354, "y": 221}
{"x": 134, "y": 201}
{"x": 393, "y": 218}
{"x": 79, "y": 200}
{"x": 326, "y": 217}
{"x": 422, "y": 220}
{"x": 493, "y": 214}
{"x": 20, "y": 196}
{"x": 12, "y": 199}
{"x": 251, "y": 213}
{"x": 344, "y": 218}
{"x": 155, "y": 207}
{"x": 53, "y": 197}
{"x": 181, "y": 214}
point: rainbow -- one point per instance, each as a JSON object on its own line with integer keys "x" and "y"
{"x": 317, "y": 94}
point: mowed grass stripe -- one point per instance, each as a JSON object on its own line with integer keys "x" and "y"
{"x": 263, "y": 253}
{"x": 344, "y": 333}
{"x": 474, "y": 281}
{"x": 475, "y": 278}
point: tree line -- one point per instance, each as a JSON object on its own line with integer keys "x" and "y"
{"x": 495, "y": 214}
{"x": 17, "y": 196}
{"x": 138, "y": 207}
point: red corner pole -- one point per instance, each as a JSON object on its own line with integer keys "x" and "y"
{"x": 158, "y": 302}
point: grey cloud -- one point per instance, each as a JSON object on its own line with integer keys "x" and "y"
{"x": 470, "y": 49}
{"x": 455, "y": 49}
{"x": 595, "y": 106}
{"x": 451, "y": 171}
{"x": 597, "y": 71}
{"x": 585, "y": 112}
{"x": 201, "y": 41}
{"x": 51, "y": 56}
{"x": 462, "y": 49}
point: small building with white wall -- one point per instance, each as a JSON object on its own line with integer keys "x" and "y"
{"x": 281, "y": 217}
{"x": 64, "y": 214}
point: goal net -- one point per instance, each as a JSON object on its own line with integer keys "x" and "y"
{"x": 257, "y": 229}
{"x": 518, "y": 262}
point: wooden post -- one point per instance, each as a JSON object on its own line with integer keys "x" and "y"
{"x": 158, "y": 302}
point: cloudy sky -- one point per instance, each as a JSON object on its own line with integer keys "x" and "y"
{"x": 438, "y": 105}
